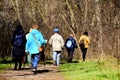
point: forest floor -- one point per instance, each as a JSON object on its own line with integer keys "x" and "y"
{"x": 47, "y": 72}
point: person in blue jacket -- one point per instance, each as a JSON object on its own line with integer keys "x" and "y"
{"x": 34, "y": 41}
{"x": 70, "y": 45}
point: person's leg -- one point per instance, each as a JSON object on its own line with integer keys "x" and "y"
{"x": 42, "y": 56}
{"x": 35, "y": 59}
{"x": 58, "y": 57}
{"x": 15, "y": 58}
{"x": 82, "y": 50}
{"x": 84, "y": 53}
{"x": 16, "y": 62}
{"x": 54, "y": 57}
{"x": 20, "y": 59}
{"x": 68, "y": 60}
{"x": 29, "y": 59}
{"x": 71, "y": 56}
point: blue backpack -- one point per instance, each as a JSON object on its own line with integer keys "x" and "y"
{"x": 18, "y": 40}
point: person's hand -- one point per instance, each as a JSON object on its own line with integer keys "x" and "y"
{"x": 26, "y": 51}
{"x": 46, "y": 41}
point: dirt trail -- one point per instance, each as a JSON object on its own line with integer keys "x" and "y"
{"x": 49, "y": 72}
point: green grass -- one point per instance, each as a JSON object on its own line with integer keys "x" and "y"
{"x": 5, "y": 64}
{"x": 91, "y": 70}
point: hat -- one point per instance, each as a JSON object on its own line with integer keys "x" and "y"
{"x": 56, "y": 30}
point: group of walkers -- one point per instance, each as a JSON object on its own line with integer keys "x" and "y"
{"x": 33, "y": 44}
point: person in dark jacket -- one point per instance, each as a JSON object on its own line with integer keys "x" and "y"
{"x": 18, "y": 43}
{"x": 70, "y": 45}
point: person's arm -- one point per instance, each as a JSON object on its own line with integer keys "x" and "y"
{"x": 13, "y": 38}
{"x": 79, "y": 39}
{"x": 24, "y": 39}
{"x": 41, "y": 39}
{"x": 88, "y": 40}
{"x": 75, "y": 44}
{"x": 62, "y": 42}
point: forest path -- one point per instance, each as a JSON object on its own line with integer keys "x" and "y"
{"x": 49, "y": 72}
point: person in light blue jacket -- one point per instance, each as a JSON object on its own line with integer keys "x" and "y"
{"x": 35, "y": 39}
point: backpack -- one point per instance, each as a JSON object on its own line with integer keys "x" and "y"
{"x": 82, "y": 44}
{"x": 18, "y": 40}
{"x": 69, "y": 44}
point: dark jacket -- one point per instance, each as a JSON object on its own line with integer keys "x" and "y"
{"x": 18, "y": 51}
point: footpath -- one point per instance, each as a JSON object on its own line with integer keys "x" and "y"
{"x": 49, "y": 72}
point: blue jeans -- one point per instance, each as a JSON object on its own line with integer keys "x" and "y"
{"x": 35, "y": 59}
{"x": 56, "y": 57}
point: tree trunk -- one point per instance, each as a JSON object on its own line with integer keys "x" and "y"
{"x": 99, "y": 25}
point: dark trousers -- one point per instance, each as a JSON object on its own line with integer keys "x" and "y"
{"x": 42, "y": 56}
{"x": 18, "y": 60}
{"x": 84, "y": 51}
{"x": 70, "y": 55}
{"x": 18, "y": 54}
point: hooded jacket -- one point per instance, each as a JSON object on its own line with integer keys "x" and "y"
{"x": 35, "y": 39}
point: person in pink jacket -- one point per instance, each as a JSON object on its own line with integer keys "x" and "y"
{"x": 57, "y": 43}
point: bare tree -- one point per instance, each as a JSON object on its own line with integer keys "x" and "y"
{"x": 100, "y": 17}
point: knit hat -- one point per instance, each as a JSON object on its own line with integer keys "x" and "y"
{"x": 56, "y": 30}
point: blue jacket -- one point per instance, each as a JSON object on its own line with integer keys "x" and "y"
{"x": 31, "y": 45}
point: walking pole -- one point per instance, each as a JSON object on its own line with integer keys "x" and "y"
{"x": 24, "y": 60}
{"x": 44, "y": 46}
{"x": 44, "y": 56}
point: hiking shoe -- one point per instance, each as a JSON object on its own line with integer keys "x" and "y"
{"x": 15, "y": 68}
{"x": 54, "y": 63}
{"x": 34, "y": 70}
